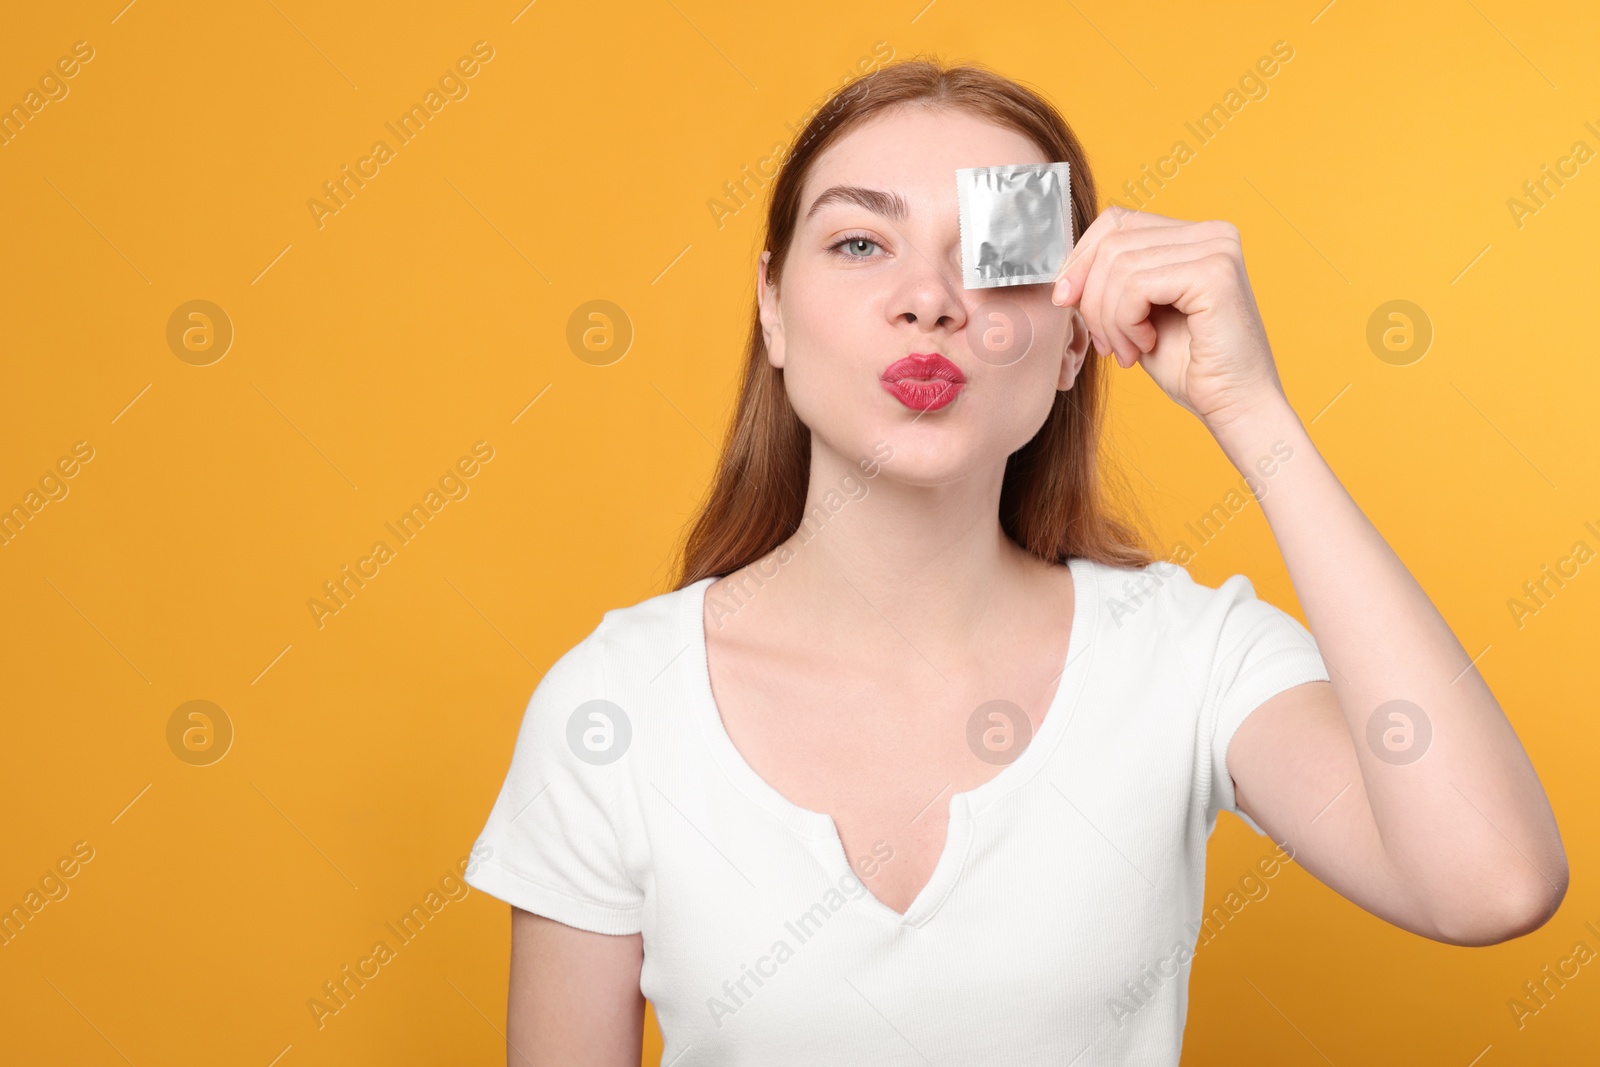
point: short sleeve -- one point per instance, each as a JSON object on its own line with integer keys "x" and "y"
{"x": 552, "y": 844}
{"x": 1260, "y": 651}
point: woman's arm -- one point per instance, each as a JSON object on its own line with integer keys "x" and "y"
{"x": 1433, "y": 819}
{"x": 574, "y": 997}
{"x": 1454, "y": 840}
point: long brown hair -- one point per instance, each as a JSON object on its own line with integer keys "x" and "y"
{"x": 1053, "y": 499}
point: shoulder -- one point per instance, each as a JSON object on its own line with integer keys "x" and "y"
{"x": 1163, "y": 596}
{"x": 1135, "y": 595}
{"x": 632, "y": 639}
{"x": 610, "y": 678}
{"x": 654, "y": 621}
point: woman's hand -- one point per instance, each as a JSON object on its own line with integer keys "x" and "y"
{"x": 1173, "y": 296}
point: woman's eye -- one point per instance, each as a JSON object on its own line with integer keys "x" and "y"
{"x": 854, "y": 247}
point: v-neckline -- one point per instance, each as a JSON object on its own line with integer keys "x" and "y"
{"x": 820, "y": 831}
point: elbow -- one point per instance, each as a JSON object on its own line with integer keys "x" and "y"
{"x": 1539, "y": 903}
{"x": 1515, "y": 912}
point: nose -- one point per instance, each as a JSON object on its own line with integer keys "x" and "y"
{"x": 929, "y": 294}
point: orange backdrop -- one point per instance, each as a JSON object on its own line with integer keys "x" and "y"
{"x": 242, "y": 344}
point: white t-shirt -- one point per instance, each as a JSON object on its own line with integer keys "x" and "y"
{"x": 1058, "y": 924}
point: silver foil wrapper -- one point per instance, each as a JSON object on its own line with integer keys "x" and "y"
{"x": 1016, "y": 223}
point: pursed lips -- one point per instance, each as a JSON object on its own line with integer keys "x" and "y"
{"x": 924, "y": 381}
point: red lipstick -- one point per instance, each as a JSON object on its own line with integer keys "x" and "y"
{"x": 923, "y": 381}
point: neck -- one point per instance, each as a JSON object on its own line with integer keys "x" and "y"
{"x": 933, "y": 559}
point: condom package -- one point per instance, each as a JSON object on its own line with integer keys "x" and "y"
{"x": 1016, "y": 223}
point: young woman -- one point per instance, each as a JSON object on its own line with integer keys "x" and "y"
{"x": 918, "y": 761}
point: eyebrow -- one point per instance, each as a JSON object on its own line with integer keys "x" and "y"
{"x": 890, "y": 205}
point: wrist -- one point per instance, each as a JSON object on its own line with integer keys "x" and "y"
{"x": 1246, "y": 432}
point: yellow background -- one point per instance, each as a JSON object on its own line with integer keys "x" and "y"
{"x": 429, "y": 313}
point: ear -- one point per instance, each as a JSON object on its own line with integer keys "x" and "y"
{"x": 771, "y": 320}
{"x": 1077, "y": 349}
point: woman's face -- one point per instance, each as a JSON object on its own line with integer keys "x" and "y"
{"x": 872, "y": 278}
